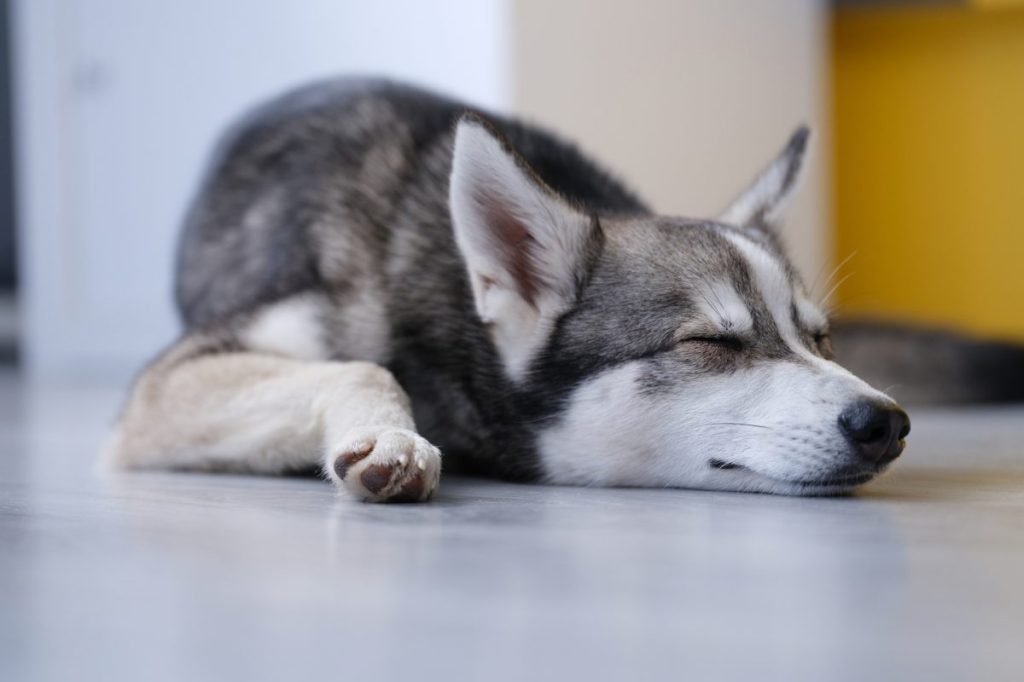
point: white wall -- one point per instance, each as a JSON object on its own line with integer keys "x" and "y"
{"x": 119, "y": 102}
{"x": 686, "y": 100}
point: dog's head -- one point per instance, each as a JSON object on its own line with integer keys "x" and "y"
{"x": 683, "y": 352}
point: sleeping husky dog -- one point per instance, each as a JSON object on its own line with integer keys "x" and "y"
{"x": 373, "y": 275}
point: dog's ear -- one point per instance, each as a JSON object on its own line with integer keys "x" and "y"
{"x": 524, "y": 246}
{"x": 764, "y": 202}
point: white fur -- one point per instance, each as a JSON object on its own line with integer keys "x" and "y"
{"x": 259, "y": 413}
{"x": 763, "y": 195}
{"x": 486, "y": 179}
{"x": 768, "y": 196}
{"x": 291, "y": 327}
{"x": 777, "y": 420}
{"x": 725, "y": 308}
{"x": 811, "y": 315}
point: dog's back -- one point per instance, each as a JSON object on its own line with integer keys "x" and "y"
{"x": 343, "y": 184}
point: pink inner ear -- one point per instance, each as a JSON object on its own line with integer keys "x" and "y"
{"x": 515, "y": 242}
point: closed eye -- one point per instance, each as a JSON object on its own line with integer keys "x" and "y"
{"x": 823, "y": 343}
{"x": 730, "y": 343}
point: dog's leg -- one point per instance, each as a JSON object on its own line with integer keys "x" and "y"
{"x": 202, "y": 407}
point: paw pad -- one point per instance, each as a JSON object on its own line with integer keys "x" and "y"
{"x": 386, "y": 465}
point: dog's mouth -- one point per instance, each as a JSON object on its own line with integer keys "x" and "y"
{"x": 831, "y": 483}
{"x": 723, "y": 465}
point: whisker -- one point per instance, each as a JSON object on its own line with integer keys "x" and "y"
{"x": 817, "y": 276}
{"x": 711, "y": 305}
{"x": 718, "y": 299}
{"x": 835, "y": 286}
{"x": 755, "y": 426}
{"x": 835, "y": 271}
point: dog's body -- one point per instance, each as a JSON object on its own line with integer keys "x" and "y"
{"x": 535, "y": 319}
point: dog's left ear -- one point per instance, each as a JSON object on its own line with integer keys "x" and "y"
{"x": 764, "y": 202}
{"x": 524, "y": 246}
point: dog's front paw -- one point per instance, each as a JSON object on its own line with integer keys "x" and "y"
{"x": 385, "y": 464}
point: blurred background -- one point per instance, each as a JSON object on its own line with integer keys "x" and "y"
{"x": 108, "y": 109}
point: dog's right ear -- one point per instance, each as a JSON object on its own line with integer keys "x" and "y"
{"x": 763, "y": 204}
{"x": 525, "y": 247}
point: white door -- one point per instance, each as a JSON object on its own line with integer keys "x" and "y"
{"x": 119, "y": 101}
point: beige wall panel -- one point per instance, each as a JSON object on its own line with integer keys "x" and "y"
{"x": 685, "y": 100}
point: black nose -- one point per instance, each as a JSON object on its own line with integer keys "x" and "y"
{"x": 876, "y": 430}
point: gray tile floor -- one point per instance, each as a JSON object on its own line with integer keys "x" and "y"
{"x": 189, "y": 577}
